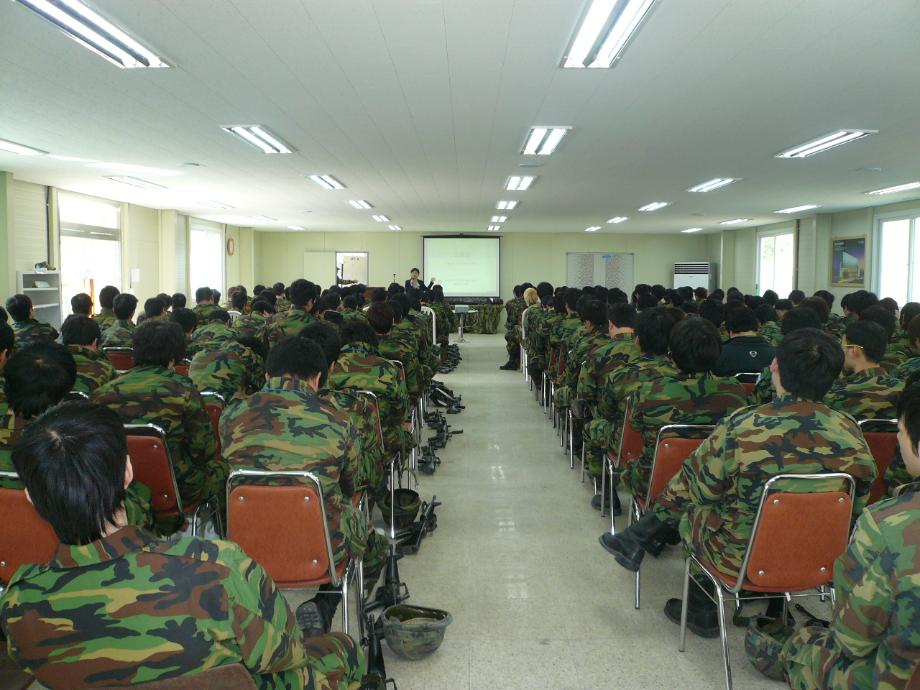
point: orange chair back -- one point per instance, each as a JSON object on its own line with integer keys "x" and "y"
{"x": 632, "y": 443}
{"x": 24, "y": 536}
{"x": 749, "y": 386}
{"x": 229, "y": 677}
{"x": 670, "y": 454}
{"x": 214, "y": 410}
{"x": 181, "y": 369}
{"x": 121, "y": 358}
{"x": 152, "y": 466}
{"x": 883, "y": 445}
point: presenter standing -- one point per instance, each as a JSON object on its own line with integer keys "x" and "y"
{"x": 416, "y": 283}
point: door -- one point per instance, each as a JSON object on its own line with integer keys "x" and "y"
{"x": 776, "y": 262}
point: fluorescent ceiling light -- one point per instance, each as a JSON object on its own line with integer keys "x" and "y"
{"x": 654, "y": 206}
{"x": 616, "y": 220}
{"x": 797, "y": 209}
{"x": 498, "y": 219}
{"x": 542, "y": 141}
{"x": 360, "y": 204}
{"x": 689, "y": 230}
{"x": 215, "y": 205}
{"x": 593, "y": 228}
{"x": 713, "y": 184}
{"x": 260, "y": 137}
{"x": 605, "y": 31}
{"x": 73, "y": 159}
{"x": 94, "y": 32}
{"x": 327, "y": 182}
{"x": 295, "y": 227}
{"x": 828, "y": 141}
{"x": 381, "y": 219}
{"x": 506, "y": 205}
{"x": 735, "y": 221}
{"x": 135, "y": 182}
{"x": 495, "y": 228}
{"x": 267, "y": 219}
{"x": 133, "y": 169}
{"x": 519, "y": 183}
{"x": 20, "y": 149}
{"x": 894, "y": 190}
{"x": 395, "y": 227}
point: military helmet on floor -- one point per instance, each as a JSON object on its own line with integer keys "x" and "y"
{"x": 413, "y": 632}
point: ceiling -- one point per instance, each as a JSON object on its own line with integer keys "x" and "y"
{"x": 422, "y": 106}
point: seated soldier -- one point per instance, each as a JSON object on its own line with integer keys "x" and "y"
{"x": 255, "y": 323}
{"x": 106, "y": 315}
{"x": 7, "y": 419}
{"x": 284, "y": 303}
{"x": 179, "y": 301}
{"x": 154, "y": 393}
{"x": 239, "y": 302}
{"x": 187, "y": 321}
{"x": 894, "y": 356}
{"x": 381, "y": 316}
{"x": 285, "y": 426}
{"x": 81, "y": 335}
{"x": 592, "y": 336}
{"x": 746, "y": 351}
{"x": 121, "y": 332}
{"x": 220, "y": 362}
{"x": 28, "y": 330}
{"x": 154, "y": 308}
{"x": 769, "y": 324}
{"x": 514, "y": 307}
{"x": 352, "y": 308}
{"x": 291, "y": 321}
{"x": 794, "y": 319}
{"x": 620, "y": 349}
{"x": 204, "y": 304}
{"x": 911, "y": 365}
{"x": 867, "y": 392}
{"x": 714, "y": 498}
{"x": 873, "y": 640}
{"x": 81, "y": 304}
{"x": 117, "y": 605}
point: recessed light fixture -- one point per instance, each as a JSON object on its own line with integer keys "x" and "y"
{"x": 735, "y": 221}
{"x": 616, "y": 220}
{"x": 94, "y": 32}
{"x": 360, "y": 204}
{"x": 135, "y": 182}
{"x": 267, "y": 219}
{"x": 894, "y": 190}
{"x": 654, "y": 206}
{"x": 260, "y": 137}
{"x": 605, "y": 31}
{"x": 519, "y": 183}
{"x": 713, "y": 184}
{"x": 823, "y": 143}
{"x": 542, "y": 141}
{"x": 20, "y": 149}
{"x": 327, "y": 181}
{"x": 381, "y": 219}
{"x": 70, "y": 159}
{"x": 506, "y": 205}
{"x": 395, "y": 227}
{"x": 214, "y": 205}
{"x": 295, "y": 227}
{"x": 498, "y": 219}
{"x": 495, "y": 228}
{"x": 690, "y": 230}
{"x": 797, "y": 209}
{"x": 130, "y": 169}
{"x": 593, "y": 228}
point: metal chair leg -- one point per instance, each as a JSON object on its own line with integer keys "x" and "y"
{"x": 682, "y": 645}
{"x": 723, "y": 634}
{"x": 571, "y": 438}
{"x": 346, "y": 609}
{"x": 583, "y": 461}
{"x": 603, "y": 483}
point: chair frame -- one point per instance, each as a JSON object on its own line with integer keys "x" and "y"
{"x": 392, "y": 482}
{"x": 878, "y": 486}
{"x": 14, "y": 476}
{"x": 612, "y": 464}
{"x": 721, "y": 589}
{"x": 118, "y": 351}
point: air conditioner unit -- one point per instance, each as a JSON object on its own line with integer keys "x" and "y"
{"x": 696, "y": 274}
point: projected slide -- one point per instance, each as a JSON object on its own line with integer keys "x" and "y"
{"x": 464, "y": 266}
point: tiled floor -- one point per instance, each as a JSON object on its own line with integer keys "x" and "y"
{"x": 536, "y": 602}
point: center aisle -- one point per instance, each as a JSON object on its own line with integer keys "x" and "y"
{"x": 536, "y": 602}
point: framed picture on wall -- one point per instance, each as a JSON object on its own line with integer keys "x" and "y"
{"x": 848, "y": 262}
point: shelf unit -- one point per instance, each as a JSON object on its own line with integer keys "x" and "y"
{"x": 47, "y": 301}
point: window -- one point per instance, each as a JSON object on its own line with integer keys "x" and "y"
{"x": 776, "y": 262}
{"x": 351, "y": 268}
{"x": 206, "y": 256}
{"x": 898, "y": 242}
{"x": 90, "y": 231}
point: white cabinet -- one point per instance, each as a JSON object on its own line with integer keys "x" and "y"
{"x": 44, "y": 289}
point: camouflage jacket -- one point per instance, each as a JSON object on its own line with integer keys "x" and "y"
{"x": 119, "y": 334}
{"x": 105, "y": 318}
{"x": 222, "y": 370}
{"x": 251, "y": 326}
{"x": 93, "y": 369}
{"x": 717, "y": 493}
{"x": 617, "y": 351}
{"x": 771, "y": 332}
{"x": 536, "y": 336}
{"x": 837, "y": 325}
{"x": 204, "y": 312}
{"x": 561, "y": 338}
{"x": 282, "y": 304}
{"x": 290, "y": 322}
{"x": 513, "y": 309}
{"x": 161, "y": 396}
{"x": 869, "y": 394}
{"x": 354, "y": 315}
{"x": 763, "y": 389}
{"x": 368, "y": 442}
{"x": 286, "y": 426}
{"x": 31, "y": 332}
{"x": 7, "y": 430}
{"x": 395, "y": 348}
{"x": 624, "y": 381}
{"x": 580, "y": 353}
{"x": 908, "y": 367}
{"x": 896, "y": 353}
{"x": 130, "y": 608}
{"x": 444, "y": 318}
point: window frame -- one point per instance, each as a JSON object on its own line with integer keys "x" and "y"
{"x": 760, "y": 234}
{"x": 911, "y": 215}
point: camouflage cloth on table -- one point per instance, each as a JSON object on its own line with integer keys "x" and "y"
{"x": 874, "y": 637}
{"x": 291, "y": 322}
{"x": 132, "y": 609}
{"x": 161, "y": 396}
{"x": 619, "y": 350}
{"x": 31, "y": 332}
{"x": 119, "y": 334}
{"x": 581, "y": 350}
{"x": 683, "y": 399}
{"x": 488, "y": 316}
{"x": 715, "y": 496}
{"x": 869, "y": 394}
{"x": 251, "y": 326}
{"x": 770, "y": 331}
{"x": 204, "y": 312}
{"x": 105, "y": 318}
{"x": 93, "y": 369}
{"x": 368, "y": 443}
{"x": 285, "y": 426}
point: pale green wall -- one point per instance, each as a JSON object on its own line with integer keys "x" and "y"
{"x": 241, "y": 266}
{"x": 7, "y": 275}
{"x": 141, "y": 242}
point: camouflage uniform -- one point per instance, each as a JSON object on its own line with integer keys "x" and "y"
{"x": 906, "y": 368}
{"x": 683, "y": 399}
{"x": 763, "y": 389}
{"x": 896, "y": 353}
{"x": 223, "y": 365}
{"x": 837, "y": 325}
{"x": 369, "y": 473}
{"x": 104, "y": 318}
{"x": 354, "y": 315}
{"x": 533, "y": 336}
{"x": 285, "y": 426}
{"x": 771, "y": 332}
{"x": 715, "y": 496}
{"x": 161, "y": 396}
{"x": 619, "y": 350}
{"x": 393, "y": 347}
{"x": 513, "y": 310}
{"x": 562, "y": 336}
{"x": 282, "y": 304}
{"x": 869, "y": 394}
{"x": 93, "y": 369}
{"x": 205, "y": 311}
{"x": 119, "y": 334}
{"x": 251, "y": 326}
{"x": 581, "y": 350}
{"x": 132, "y": 609}
{"x": 291, "y": 322}
{"x": 873, "y": 640}
{"x": 30, "y": 332}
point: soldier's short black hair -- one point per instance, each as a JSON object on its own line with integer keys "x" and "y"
{"x": 221, "y": 315}
{"x": 782, "y": 305}
{"x": 908, "y": 312}
{"x": 595, "y": 311}
{"x": 558, "y": 302}
{"x": 260, "y": 306}
{"x": 258, "y": 289}
{"x": 799, "y": 317}
{"x": 881, "y": 316}
{"x": 796, "y": 296}
{"x": 7, "y": 338}
{"x": 165, "y": 299}
{"x": 107, "y": 296}
{"x": 278, "y": 288}
{"x": 327, "y": 337}
{"x": 268, "y": 296}
{"x": 818, "y": 306}
{"x": 215, "y": 296}
{"x": 333, "y": 299}
{"x": 518, "y": 290}
{"x": 153, "y": 308}
{"x": 359, "y": 331}
{"x": 81, "y": 303}
{"x": 810, "y": 360}
{"x": 828, "y": 297}
{"x": 4, "y": 317}
{"x": 617, "y": 296}
{"x": 350, "y": 302}
{"x": 186, "y": 318}
{"x": 653, "y": 330}
{"x": 125, "y": 305}
{"x": 544, "y": 288}
{"x": 711, "y": 310}
{"x": 78, "y": 329}
{"x": 870, "y": 336}
{"x": 302, "y": 292}
{"x": 622, "y": 315}
{"x": 296, "y": 356}
{"x": 72, "y": 460}
{"x": 37, "y": 377}
{"x": 765, "y": 313}
{"x": 740, "y": 319}
{"x": 158, "y": 343}
{"x": 398, "y": 312}
{"x": 380, "y": 316}
{"x": 238, "y": 300}
{"x": 701, "y": 293}
{"x": 19, "y": 307}
{"x": 203, "y": 294}
{"x": 179, "y": 300}
{"x": 860, "y": 300}
{"x": 379, "y": 295}
{"x": 646, "y": 300}
{"x": 572, "y": 295}
{"x": 718, "y": 294}
{"x": 695, "y": 345}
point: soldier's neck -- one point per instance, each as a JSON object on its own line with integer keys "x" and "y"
{"x": 120, "y": 522}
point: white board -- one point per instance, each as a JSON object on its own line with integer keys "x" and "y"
{"x": 610, "y": 269}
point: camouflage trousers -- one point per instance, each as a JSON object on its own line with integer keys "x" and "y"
{"x": 597, "y": 435}
{"x": 334, "y": 662}
{"x": 205, "y": 483}
{"x": 637, "y": 475}
{"x": 814, "y": 659}
{"x": 513, "y": 343}
{"x": 562, "y": 397}
{"x": 360, "y": 539}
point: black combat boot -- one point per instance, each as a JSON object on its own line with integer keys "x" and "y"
{"x": 702, "y": 612}
{"x": 510, "y": 365}
{"x": 617, "y": 508}
{"x": 630, "y": 545}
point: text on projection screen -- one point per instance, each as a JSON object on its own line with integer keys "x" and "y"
{"x": 463, "y": 266}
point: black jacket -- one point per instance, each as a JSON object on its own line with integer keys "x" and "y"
{"x": 421, "y": 284}
{"x": 744, "y": 353}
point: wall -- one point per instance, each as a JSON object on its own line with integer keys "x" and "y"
{"x": 23, "y": 228}
{"x": 141, "y": 250}
{"x": 240, "y": 268}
